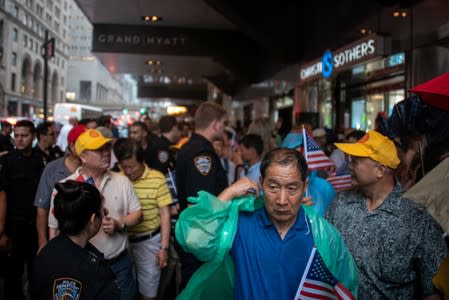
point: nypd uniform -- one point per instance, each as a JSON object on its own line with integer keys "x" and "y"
{"x": 160, "y": 158}
{"x": 198, "y": 168}
{"x": 54, "y": 152}
{"x": 64, "y": 270}
{"x": 19, "y": 179}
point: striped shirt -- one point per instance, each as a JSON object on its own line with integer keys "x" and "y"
{"x": 153, "y": 193}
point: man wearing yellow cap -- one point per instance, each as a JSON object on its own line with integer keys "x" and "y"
{"x": 120, "y": 201}
{"x": 396, "y": 244}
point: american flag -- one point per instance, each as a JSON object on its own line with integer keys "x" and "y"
{"x": 319, "y": 283}
{"x": 340, "y": 181}
{"x": 315, "y": 157}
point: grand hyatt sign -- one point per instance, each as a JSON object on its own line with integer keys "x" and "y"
{"x": 140, "y": 40}
{"x": 148, "y": 39}
{"x": 343, "y": 58}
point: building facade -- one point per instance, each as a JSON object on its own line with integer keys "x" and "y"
{"x": 397, "y": 49}
{"x": 22, "y": 32}
{"x": 90, "y": 82}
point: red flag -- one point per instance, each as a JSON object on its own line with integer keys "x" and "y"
{"x": 319, "y": 283}
{"x": 315, "y": 157}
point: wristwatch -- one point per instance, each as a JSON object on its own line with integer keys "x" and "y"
{"x": 123, "y": 227}
{"x": 164, "y": 248}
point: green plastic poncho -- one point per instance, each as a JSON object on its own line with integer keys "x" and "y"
{"x": 207, "y": 230}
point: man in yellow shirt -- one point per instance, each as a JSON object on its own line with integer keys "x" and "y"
{"x": 149, "y": 240}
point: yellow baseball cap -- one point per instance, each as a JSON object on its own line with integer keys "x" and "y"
{"x": 375, "y": 146}
{"x": 90, "y": 140}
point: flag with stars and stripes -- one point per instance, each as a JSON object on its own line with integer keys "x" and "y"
{"x": 315, "y": 157}
{"x": 340, "y": 181}
{"x": 319, "y": 283}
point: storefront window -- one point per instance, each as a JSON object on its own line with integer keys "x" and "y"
{"x": 326, "y": 113}
{"x": 394, "y": 97}
{"x": 358, "y": 120}
{"x": 374, "y": 105}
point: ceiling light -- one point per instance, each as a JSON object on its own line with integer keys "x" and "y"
{"x": 396, "y": 14}
{"x": 152, "y": 19}
{"x": 153, "y": 62}
{"x": 363, "y": 31}
{"x": 176, "y": 110}
{"x": 404, "y": 14}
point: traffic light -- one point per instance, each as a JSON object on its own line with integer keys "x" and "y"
{"x": 143, "y": 110}
{"x": 48, "y": 49}
{"x": 125, "y": 111}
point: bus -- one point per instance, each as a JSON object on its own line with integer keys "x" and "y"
{"x": 64, "y": 111}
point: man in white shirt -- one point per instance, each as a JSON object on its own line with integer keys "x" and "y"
{"x": 122, "y": 205}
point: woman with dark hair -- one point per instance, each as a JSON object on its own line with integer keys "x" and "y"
{"x": 69, "y": 267}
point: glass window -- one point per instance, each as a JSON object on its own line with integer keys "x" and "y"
{"x": 86, "y": 90}
{"x": 15, "y": 11}
{"x": 15, "y": 34}
{"x": 374, "y": 105}
{"x": 394, "y": 97}
{"x": 13, "y": 82}
{"x": 14, "y": 59}
{"x": 25, "y": 40}
{"x": 39, "y": 10}
{"x": 358, "y": 119}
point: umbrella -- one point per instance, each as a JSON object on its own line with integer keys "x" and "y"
{"x": 435, "y": 92}
{"x": 431, "y": 191}
{"x": 413, "y": 116}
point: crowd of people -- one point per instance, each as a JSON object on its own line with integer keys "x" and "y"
{"x": 205, "y": 210}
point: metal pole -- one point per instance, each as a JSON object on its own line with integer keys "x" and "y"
{"x": 45, "y": 74}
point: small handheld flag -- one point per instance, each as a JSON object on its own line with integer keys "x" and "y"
{"x": 319, "y": 283}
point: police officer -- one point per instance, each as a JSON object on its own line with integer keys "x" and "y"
{"x": 199, "y": 168}
{"x": 161, "y": 157}
{"x": 20, "y": 169}
{"x": 46, "y": 147}
{"x": 69, "y": 267}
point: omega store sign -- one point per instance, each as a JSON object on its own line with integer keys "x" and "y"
{"x": 343, "y": 58}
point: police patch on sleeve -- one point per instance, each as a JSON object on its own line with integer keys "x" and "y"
{"x": 162, "y": 156}
{"x": 203, "y": 164}
{"x": 67, "y": 288}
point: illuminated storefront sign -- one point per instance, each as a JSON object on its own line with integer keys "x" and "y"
{"x": 343, "y": 58}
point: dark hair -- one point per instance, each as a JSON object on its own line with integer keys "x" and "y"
{"x": 141, "y": 125}
{"x": 127, "y": 149}
{"x": 208, "y": 112}
{"x": 356, "y": 134}
{"x": 285, "y": 157}
{"x": 74, "y": 204}
{"x": 228, "y": 133}
{"x": 253, "y": 141}
{"x": 166, "y": 123}
{"x": 104, "y": 120}
{"x": 26, "y": 123}
{"x": 6, "y": 124}
{"x": 42, "y": 129}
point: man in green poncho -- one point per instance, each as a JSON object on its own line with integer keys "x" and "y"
{"x": 269, "y": 247}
